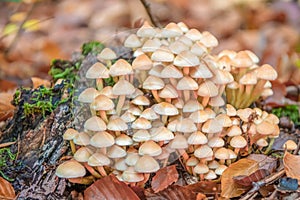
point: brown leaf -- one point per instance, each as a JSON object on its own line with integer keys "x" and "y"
{"x": 6, "y": 190}
{"x": 206, "y": 187}
{"x": 291, "y": 165}
{"x": 278, "y": 98}
{"x": 242, "y": 167}
{"x": 6, "y": 109}
{"x": 254, "y": 177}
{"x": 264, "y": 162}
{"x": 173, "y": 192}
{"x": 164, "y": 177}
{"x": 37, "y": 82}
{"x": 109, "y": 187}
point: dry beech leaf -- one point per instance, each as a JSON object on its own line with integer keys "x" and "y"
{"x": 6, "y": 190}
{"x": 37, "y": 82}
{"x": 109, "y": 187}
{"x": 206, "y": 187}
{"x": 264, "y": 162}
{"x": 254, "y": 177}
{"x": 164, "y": 177}
{"x": 173, "y": 192}
{"x": 6, "y": 109}
{"x": 242, "y": 167}
{"x": 291, "y": 165}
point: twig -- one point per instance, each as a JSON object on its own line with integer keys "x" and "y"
{"x": 13, "y": 43}
{"x": 259, "y": 184}
{"x": 148, "y": 10}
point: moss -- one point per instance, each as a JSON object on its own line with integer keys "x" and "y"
{"x": 63, "y": 69}
{"x": 93, "y": 47}
{"x": 291, "y": 111}
{"x": 6, "y": 156}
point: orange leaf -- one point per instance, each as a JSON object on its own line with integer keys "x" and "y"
{"x": 6, "y": 109}
{"x": 242, "y": 167}
{"x": 291, "y": 165}
{"x": 174, "y": 192}
{"x": 109, "y": 187}
{"x": 6, "y": 190}
{"x": 164, "y": 177}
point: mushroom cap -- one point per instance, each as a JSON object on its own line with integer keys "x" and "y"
{"x": 193, "y": 34}
{"x": 187, "y": 83}
{"x": 266, "y": 72}
{"x": 244, "y": 113}
{"x": 149, "y": 114}
{"x": 201, "y": 168}
{"x": 290, "y": 145}
{"x": 123, "y": 87}
{"x": 197, "y": 137}
{"x": 213, "y": 164}
{"x": 216, "y": 101}
{"x": 141, "y": 136}
{"x": 70, "y": 133}
{"x": 128, "y": 117}
{"x": 192, "y": 161}
{"x": 116, "y": 123}
{"x": 262, "y": 142}
{"x": 70, "y": 169}
{"x": 162, "y": 134}
{"x": 102, "y": 139}
{"x": 186, "y": 59}
{"x": 224, "y": 120}
{"x": 168, "y": 92}
{"x": 199, "y": 116}
{"x": 233, "y": 131}
{"x": 107, "y": 54}
{"x": 216, "y": 142}
{"x": 179, "y": 142}
{"x": 120, "y": 68}
{"x": 141, "y": 123}
{"x": 165, "y": 108}
{"x": 207, "y": 89}
{"x": 209, "y": 40}
{"x": 132, "y": 41}
{"x": 203, "y": 151}
{"x": 150, "y": 148}
{"x": 141, "y": 101}
{"x": 201, "y": 71}
{"x": 82, "y": 154}
{"x": 82, "y": 139}
{"x": 222, "y": 154}
{"x": 156, "y": 70}
{"x": 107, "y": 91}
{"x": 212, "y": 126}
{"x": 170, "y": 71}
{"x": 219, "y": 171}
{"x": 153, "y": 83}
{"x": 199, "y": 49}
{"x": 265, "y": 128}
{"x": 163, "y": 54}
{"x": 186, "y": 125}
{"x": 171, "y": 30}
{"x": 238, "y": 142}
{"x": 98, "y": 159}
{"x": 249, "y": 78}
{"x": 131, "y": 158}
{"x": 95, "y": 124}
{"x": 120, "y": 164}
{"x": 116, "y": 151}
{"x": 124, "y": 140}
{"x": 230, "y": 110}
{"x": 192, "y": 105}
{"x": 151, "y": 45}
{"x": 88, "y": 95}
{"x": 131, "y": 176}
{"x": 242, "y": 59}
{"x": 146, "y": 164}
{"x": 183, "y": 27}
{"x": 146, "y": 31}
{"x": 142, "y": 62}
{"x": 210, "y": 175}
{"x": 102, "y": 102}
{"x": 97, "y": 70}
{"x": 177, "y": 47}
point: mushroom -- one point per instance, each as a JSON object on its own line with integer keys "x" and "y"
{"x": 99, "y": 160}
{"x": 146, "y": 164}
{"x": 107, "y": 55}
{"x": 238, "y": 142}
{"x": 289, "y": 145}
{"x": 201, "y": 169}
{"x": 102, "y": 104}
{"x": 97, "y": 71}
{"x": 70, "y": 134}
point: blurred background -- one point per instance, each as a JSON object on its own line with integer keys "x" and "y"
{"x": 34, "y": 32}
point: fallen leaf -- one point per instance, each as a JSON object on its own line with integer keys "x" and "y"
{"x": 206, "y": 187}
{"x": 254, "y": 177}
{"x": 291, "y": 165}
{"x": 242, "y": 167}
{"x": 164, "y": 177}
{"x": 6, "y": 109}
{"x": 109, "y": 187}
{"x": 36, "y": 82}
{"x": 6, "y": 190}
{"x": 264, "y": 162}
{"x": 173, "y": 192}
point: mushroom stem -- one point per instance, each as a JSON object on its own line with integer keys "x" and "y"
{"x": 82, "y": 180}
{"x": 120, "y": 104}
{"x": 269, "y": 148}
{"x": 239, "y": 96}
{"x": 101, "y": 170}
{"x": 155, "y": 95}
{"x": 92, "y": 170}
{"x": 186, "y": 95}
{"x": 205, "y": 101}
{"x": 186, "y": 71}
{"x": 184, "y": 155}
{"x": 236, "y": 151}
{"x": 73, "y": 148}
{"x": 103, "y": 116}
{"x": 99, "y": 84}
{"x": 143, "y": 182}
{"x": 173, "y": 82}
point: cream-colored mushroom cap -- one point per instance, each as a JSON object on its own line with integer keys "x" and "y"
{"x": 165, "y": 108}
{"x": 207, "y": 89}
{"x": 82, "y": 154}
{"x": 70, "y": 169}
{"x": 266, "y": 72}
{"x": 97, "y": 70}
{"x": 222, "y": 154}
{"x": 88, "y": 95}
{"x": 238, "y": 142}
{"x": 146, "y": 164}
{"x": 146, "y": 30}
{"x": 98, "y": 159}
{"x": 141, "y": 136}
{"x": 186, "y": 59}
{"x": 82, "y": 139}
{"x": 142, "y": 62}
{"x": 116, "y": 151}
{"x": 216, "y": 142}
{"x": 209, "y": 40}
{"x": 150, "y": 148}
{"x": 95, "y": 124}
{"x": 123, "y": 87}
{"x": 170, "y": 71}
{"x": 131, "y": 176}
{"x": 187, "y": 83}
{"x": 219, "y": 171}
{"x": 162, "y": 134}
{"x": 163, "y": 54}
{"x": 102, "y": 139}
{"x": 120, "y": 67}
{"x": 107, "y": 54}
{"x": 102, "y": 102}
{"x": 179, "y": 142}
{"x": 203, "y": 151}
{"x": 124, "y": 140}
{"x": 201, "y": 168}
{"x": 70, "y": 133}
{"x": 132, "y": 41}
{"x": 115, "y": 123}
{"x": 210, "y": 175}
{"x": 196, "y": 138}
{"x": 186, "y": 125}
{"x": 290, "y": 145}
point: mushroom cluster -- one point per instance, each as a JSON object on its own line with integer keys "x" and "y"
{"x": 170, "y": 99}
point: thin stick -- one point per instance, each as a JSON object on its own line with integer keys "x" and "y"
{"x": 148, "y": 10}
